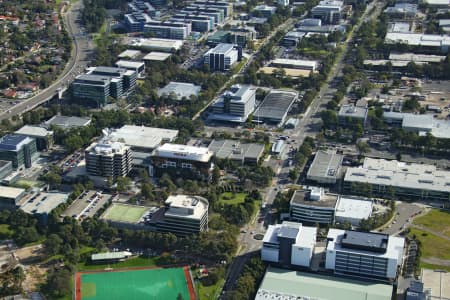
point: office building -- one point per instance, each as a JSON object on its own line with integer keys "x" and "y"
{"x": 275, "y": 107}
{"x": 10, "y": 197}
{"x": 224, "y": 6}
{"x": 265, "y": 10}
{"x": 242, "y": 153}
{"x": 108, "y": 159}
{"x": 420, "y": 124}
{"x": 184, "y": 215}
{"x": 42, "y": 204}
{"x": 154, "y": 44}
{"x": 289, "y": 244}
{"x": 130, "y": 54}
{"x": 310, "y": 65}
{"x": 364, "y": 254}
{"x": 94, "y": 90}
{"x": 391, "y": 178}
{"x": 353, "y": 210}
{"x": 65, "y": 122}
{"x": 182, "y": 161}
{"x": 141, "y": 138}
{"x": 135, "y": 22}
{"x": 216, "y": 14}
{"x": 43, "y": 137}
{"x": 325, "y": 167}
{"x": 444, "y": 24}
{"x": 283, "y": 2}
{"x": 313, "y": 206}
{"x": 5, "y": 169}
{"x": 168, "y": 29}
{"x": 222, "y": 57}
{"x": 156, "y": 56}
{"x": 292, "y": 38}
{"x": 432, "y": 43}
{"x": 329, "y": 11}
{"x": 18, "y": 149}
{"x": 137, "y": 66}
{"x": 350, "y": 114}
{"x": 284, "y": 284}
{"x": 235, "y": 105}
{"x": 122, "y": 80}
{"x": 199, "y": 22}
{"x": 402, "y": 11}
{"x": 179, "y": 91}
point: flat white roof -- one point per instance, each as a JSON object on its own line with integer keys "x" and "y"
{"x": 350, "y": 207}
{"x": 416, "y": 57}
{"x": 10, "y": 192}
{"x": 155, "y": 43}
{"x": 192, "y": 207}
{"x": 157, "y": 56}
{"x": 107, "y": 147}
{"x": 129, "y": 64}
{"x": 142, "y": 137}
{"x": 34, "y": 131}
{"x": 201, "y": 154}
{"x": 304, "y": 236}
{"x": 130, "y": 53}
{"x": 296, "y": 62}
{"x": 437, "y": 2}
{"x": 417, "y": 39}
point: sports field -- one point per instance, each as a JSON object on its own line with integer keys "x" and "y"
{"x": 143, "y": 284}
{"x": 124, "y": 213}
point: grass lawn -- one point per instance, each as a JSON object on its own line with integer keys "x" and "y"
{"x": 5, "y": 230}
{"x": 209, "y": 292}
{"x": 432, "y": 245}
{"x": 132, "y": 262}
{"x": 125, "y": 213}
{"x": 229, "y": 198}
{"x": 434, "y": 267}
{"x": 436, "y": 220}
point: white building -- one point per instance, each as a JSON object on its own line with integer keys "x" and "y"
{"x": 353, "y": 210}
{"x": 421, "y": 124}
{"x": 364, "y": 254}
{"x": 313, "y": 206}
{"x": 165, "y": 45}
{"x": 221, "y": 58}
{"x": 289, "y": 244}
{"x": 137, "y": 66}
{"x": 427, "y": 41}
{"x": 325, "y": 167}
{"x": 235, "y": 105}
{"x": 184, "y": 215}
{"x": 329, "y": 11}
{"x": 283, "y": 2}
{"x": 310, "y": 65}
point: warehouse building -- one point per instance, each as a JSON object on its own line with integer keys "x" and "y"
{"x": 425, "y": 42}
{"x": 364, "y": 254}
{"x": 235, "y": 105}
{"x": 179, "y": 90}
{"x": 156, "y": 56}
{"x": 155, "y": 44}
{"x": 310, "y": 65}
{"x": 66, "y": 123}
{"x": 222, "y": 57}
{"x": 182, "y": 161}
{"x": 18, "y": 149}
{"x": 243, "y": 153}
{"x": 313, "y": 206}
{"x": 265, "y": 10}
{"x": 391, "y": 178}
{"x": 130, "y": 54}
{"x": 284, "y": 284}
{"x": 43, "y": 137}
{"x": 289, "y": 245}
{"x": 10, "y": 197}
{"x": 275, "y": 107}
{"x": 325, "y": 167}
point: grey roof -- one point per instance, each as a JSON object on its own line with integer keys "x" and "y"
{"x": 103, "y": 79}
{"x": 325, "y": 165}
{"x": 13, "y": 142}
{"x": 234, "y": 150}
{"x": 288, "y": 232}
{"x": 44, "y": 203}
{"x": 222, "y": 48}
{"x": 370, "y": 241}
{"x": 34, "y": 131}
{"x": 350, "y": 110}
{"x": 180, "y": 89}
{"x": 302, "y": 197}
{"x": 275, "y": 105}
{"x": 67, "y": 122}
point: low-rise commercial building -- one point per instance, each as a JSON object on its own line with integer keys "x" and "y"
{"x": 135, "y": 22}
{"x": 235, "y": 105}
{"x": 402, "y": 11}
{"x": 391, "y": 178}
{"x": 179, "y": 90}
{"x": 275, "y": 107}
{"x": 289, "y": 244}
{"x": 43, "y": 137}
{"x": 329, "y": 11}
{"x": 182, "y": 161}
{"x": 10, "y": 197}
{"x": 110, "y": 257}
{"x": 65, "y": 122}
{"x": 353, "y": 210}
{"x": 265, "y": 10}
{"x": 325, "y": 167}
{"x": 199, "y": 22}
{"x": 424, "y": 42}
{"x": 313, "y": 206}
{"x": 421, "y": 124}
{"x": 242, "y": 153}
{"x": 364, "y": 254}
{"x": 150, "y": 44}
{"x": 168, "y": 29}
{"x": 130, "y": 54}
{"x": 351, "y": 114}
{"x": 18, "y": 149}
{"x": 156, "y": 56}
{"x": 42, "y": 204}
{"x": 310, "y": 65}
{"x": 137, "y": 66}
{"x": 222, "y": 57}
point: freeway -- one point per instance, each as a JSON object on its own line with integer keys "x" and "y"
{"x": 81, "y": 52}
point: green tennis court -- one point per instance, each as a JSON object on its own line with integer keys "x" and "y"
{"x": 135, "y": 285}
{"x": 124, "y": 213}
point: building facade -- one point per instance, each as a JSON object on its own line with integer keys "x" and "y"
{"x": 235, "y": 105}
{"x": 312, "y": 206}
{"x": 329, "y": 11}
{"x": 221, "y": 58}
{"x": 18, "y": 149}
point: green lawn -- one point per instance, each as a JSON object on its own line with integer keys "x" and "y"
{"x": 230, "y": 199}
{"x": 436, "y": 220}
{"x": 132, "y": 262}
{"x": 5, "y": 230}
{"x": 125, "y": 213}
{"x": 432, "y": 245}
{"x": 209, "y": 292}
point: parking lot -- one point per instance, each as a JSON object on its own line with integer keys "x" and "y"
{"x": 87, "y": 204}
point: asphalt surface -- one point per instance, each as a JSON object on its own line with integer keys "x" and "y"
{"x": 81, "y": 53}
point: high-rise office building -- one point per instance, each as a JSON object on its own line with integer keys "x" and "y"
{"x": 222, "y": 57}
{"x": 18, "y": 149}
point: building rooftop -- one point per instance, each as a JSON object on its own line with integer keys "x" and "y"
{"x": 399, "y": 27}
{"x": 352, "y": 207}
{"x": 107, "y": 147}
{"x": 350, "y": 110}
{"x": 44, "y": 203}
{"x": 303, "y": 197}
{"x": 417, "y": 39}
{"x": 157, "y": 56}
{"x": 401, "y": 174}
{"x": 155, "y": 43}
{"x": 184, "y": 206}
{"x": 67, "y": 122}
{"x": 416, "y": 57}
{"x": 13, "y": 142}
{"x": 110, "y": 255}
{"x": 437, "y": 2}
{"x": 421, "y": 123}
{"x": 11, "y": 192}
{"x": 299, "y": 63}
{"x": 437, "y": 282}
{"x": 221, "y": 48}
{"x": 133, "y": 54}
{"x": 180, "y": 90}
{"x": 35, "y": 131}
{"x": 304, "y": 236}
{"x": 275, "y": 105}
{"x": 326, "y": 164}
{"x": 234, "y": 150}
{"x": 129, "y": 64}
{"x": 141, "y": 136}
{"x": 201, "y": 154}
{"x": 374, "y": 244}
{"x": 127, "y": 213}
{"x": 281, "y": 284}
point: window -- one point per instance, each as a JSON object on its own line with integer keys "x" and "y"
{"x": 186, "y": 166}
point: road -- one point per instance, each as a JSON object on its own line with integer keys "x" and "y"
{"x": 80, "y": 56}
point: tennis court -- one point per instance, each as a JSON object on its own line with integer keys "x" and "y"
{"x": 124, "y": 213}
{"x": 140, "y": 284}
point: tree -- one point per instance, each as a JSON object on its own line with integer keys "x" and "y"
{"x": 58, "y": 283}
{"x": 362, "y": 147}
{"x": 329, "y": 118}
{"x": 147, "y": 191}
{"x": 53, "y": 244}
{"x": 293, "y": 174}
{"x": 215, "y": 175}
{"x": 53, "y": 179}
{"x": 123, "y": 183}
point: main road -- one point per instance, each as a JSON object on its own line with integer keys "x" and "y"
{"x": 79, "y": 58}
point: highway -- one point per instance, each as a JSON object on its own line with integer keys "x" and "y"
{"x": 80, "y": 56}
